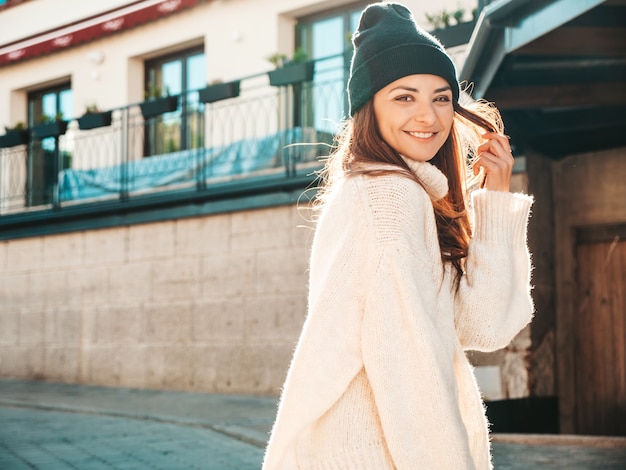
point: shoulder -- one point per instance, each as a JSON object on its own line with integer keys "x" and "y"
{"x": 395, "y": 206}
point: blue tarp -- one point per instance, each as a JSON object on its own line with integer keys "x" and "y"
{"x": 186, "y": 166}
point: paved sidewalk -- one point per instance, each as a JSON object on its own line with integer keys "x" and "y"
{"x": 52, "y": 426}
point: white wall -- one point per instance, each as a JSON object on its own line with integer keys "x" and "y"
{"x": 237, "y": 35}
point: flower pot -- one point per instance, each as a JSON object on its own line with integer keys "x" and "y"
{"x": 219, "y": 91}
{"x": 158, "y": 106}
{"x": 95, "y": 120}
{"x": 292, "y": 73}
{"x": 455, "y": 35}
{"x": 50, "y": 129}
{"x": 14, "y": 137}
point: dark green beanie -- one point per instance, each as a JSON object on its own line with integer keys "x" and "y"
{"x": 389, "y": 45}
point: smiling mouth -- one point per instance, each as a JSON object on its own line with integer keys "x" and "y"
{"x": 421, "y": 135}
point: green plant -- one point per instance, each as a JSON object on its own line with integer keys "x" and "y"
{"x": 154, "y": 92}
{"x": 458, "y": 15}
{"x": 47, "y": 118}
{"x": 434, "y": 20}
{"x": 19, "y": 126}
{"x": 92, "y": 109}
{"x": 445, "y": 18}
{"x": 279, "y": 60}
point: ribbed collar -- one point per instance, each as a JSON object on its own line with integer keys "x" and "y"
{"x": 434, "y": 181}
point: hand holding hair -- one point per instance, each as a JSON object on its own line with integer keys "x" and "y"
{"x": 496, "y": 159}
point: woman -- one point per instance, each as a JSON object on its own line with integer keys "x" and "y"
{"x": 401, "y": 283}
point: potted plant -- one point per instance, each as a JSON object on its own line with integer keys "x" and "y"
{"x": 291, "y": 71}
{"x": 157, "y": 103}
{"x": 17, "y": 135}
{"x": 94, "y": 118}
{"x": 50, "y": 126}
{"x": 448, "y": 33}
{"x": 218, "y": 90}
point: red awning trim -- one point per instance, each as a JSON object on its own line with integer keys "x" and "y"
{"x": 94, "y": 28}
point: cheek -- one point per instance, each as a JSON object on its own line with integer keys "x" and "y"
{"x": 446, "y": 118}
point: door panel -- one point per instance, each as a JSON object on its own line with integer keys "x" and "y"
{"x": 600, "y": 343}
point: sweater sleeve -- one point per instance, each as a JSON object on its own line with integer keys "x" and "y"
{"x": 409, "y": 362}
{"x": 493, "y": 302}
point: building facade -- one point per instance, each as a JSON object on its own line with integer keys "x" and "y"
{"x": 170, "y": 248}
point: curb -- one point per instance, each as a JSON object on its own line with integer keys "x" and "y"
{"x": 602, "y": 442}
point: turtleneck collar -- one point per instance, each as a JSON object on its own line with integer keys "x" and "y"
{"x": 434, "y": 181}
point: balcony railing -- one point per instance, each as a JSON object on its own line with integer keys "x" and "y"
{"x": 279, "y": 131}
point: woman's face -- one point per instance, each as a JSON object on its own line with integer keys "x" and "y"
{"x": 414, "y": 115}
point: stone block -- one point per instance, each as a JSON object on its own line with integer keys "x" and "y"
{"x": 13, "y": 290}
{"x": 106, "y": 247}
{"x": 232, "y": 274}
{"x": 278, "y": 363}
{"x": 49, "y": 287}
{"x": 302, "y": 235}
{"x": 282, "y": 271}
{"x": 25, "y": 254}
{"x": 170, "y": 366}
{"x": 132, "y": 281}
{"x": 61, "y": 363}
{"x": 64, "y": 250}
{"x": 32, "y": 326}
{"x": 219, "y": 321}
{"x": 275, "y": 318}
{"x": 203, "y": 235}
{"x": 205, "y": 372}
{"x": 22, "y": 362}
{"x": 262, "y": 229}
{"x": 176, "y": 279}
{"x": 67, "y": 325}
{"x": 168, "y": 322}
{"x": 132, "y": 365}
{"x": 243, "y": 369}
{"x": 118, "y": 324}
{"x": 90, "y": 286}
{"x": 9, "y": 326}
{"x": 151, "y": 241}
{"x": 3, "y": 256}
{"x": 103, "y": 364}
{"x": 515, "y": 374}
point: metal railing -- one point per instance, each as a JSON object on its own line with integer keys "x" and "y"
{"x": 265, "y": 130}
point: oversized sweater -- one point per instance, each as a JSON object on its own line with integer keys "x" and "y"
{"x": 379, "y": 378}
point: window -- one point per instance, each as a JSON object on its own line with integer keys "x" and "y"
{"x": 176, "y": 74}
{"x": 48, "y": 157}
{"x": 327, "y": 39}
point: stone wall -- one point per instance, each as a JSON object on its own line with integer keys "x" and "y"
{"x": 213, "y": 303}
{"x": 209, "y": 304}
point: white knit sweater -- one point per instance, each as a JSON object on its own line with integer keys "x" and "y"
{"x": 379, "y": 379}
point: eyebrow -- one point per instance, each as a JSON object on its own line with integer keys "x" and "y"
{"x": 415, "y": 90}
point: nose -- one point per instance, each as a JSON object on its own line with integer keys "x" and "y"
{"x": 425, "y": 113}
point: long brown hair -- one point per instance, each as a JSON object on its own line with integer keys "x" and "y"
{"x": 360, "y": 143}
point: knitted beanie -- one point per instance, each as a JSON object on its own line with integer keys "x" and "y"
{"x": 389, "y": 45}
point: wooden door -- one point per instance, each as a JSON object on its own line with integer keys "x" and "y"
{"x": 600, "y": 330}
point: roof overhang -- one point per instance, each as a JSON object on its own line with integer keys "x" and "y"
{"x": 556, "y": 69}
{"x": 89, "y": 29}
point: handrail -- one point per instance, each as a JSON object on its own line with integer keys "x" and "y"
{"x": 265, "y": 130}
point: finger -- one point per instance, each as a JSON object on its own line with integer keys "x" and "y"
{"x": 497, "y": 147}
{"x": 504, "y": 140}
{"x": 491, "y": 163}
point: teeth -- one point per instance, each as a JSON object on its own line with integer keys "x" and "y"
{"x": 422, "y": 135}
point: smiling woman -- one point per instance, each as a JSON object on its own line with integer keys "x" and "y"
{"x": 401, "y": 283}
{"x": 415, "y": 115}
